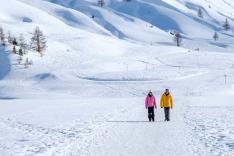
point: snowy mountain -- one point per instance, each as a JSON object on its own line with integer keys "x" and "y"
{"x": 122, "y": 39}
{"x": 85, "y": 95}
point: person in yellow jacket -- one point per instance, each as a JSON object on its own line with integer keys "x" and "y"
{"x": 166, "y": 102}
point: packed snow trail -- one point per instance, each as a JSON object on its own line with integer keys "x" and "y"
{"x": 111, "y": 128}
{"x": 130, "y": 133}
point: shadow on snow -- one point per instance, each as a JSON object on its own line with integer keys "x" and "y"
{"x": 129, "y": 121}
{"x": 4, "y": 63}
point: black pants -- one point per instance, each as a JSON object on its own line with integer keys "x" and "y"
{"x": 151, "y": 113}
{"x": 167, "y": 113}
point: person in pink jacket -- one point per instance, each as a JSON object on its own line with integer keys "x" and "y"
{"x": 150, "y": 104}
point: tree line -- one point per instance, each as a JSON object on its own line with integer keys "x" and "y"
{"x": 177, "y": 35}
{"x": 226, "y": 26}
{"x": 21, "y": 46}
{"x": 37, "y": 43}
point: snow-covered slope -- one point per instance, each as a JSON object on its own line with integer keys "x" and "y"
{"x": 85, "y": 96}
{"x": 121, "y": 39}
{"x": 166, "y": 15}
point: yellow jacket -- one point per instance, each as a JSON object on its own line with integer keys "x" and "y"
{"x": 166, "y": 101}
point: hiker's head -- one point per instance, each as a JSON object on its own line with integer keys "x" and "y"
{"x": 167, "y": 91}
{"x": 150, "y": 93}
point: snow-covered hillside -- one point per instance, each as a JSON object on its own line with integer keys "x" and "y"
{"x": 85, "y": 96}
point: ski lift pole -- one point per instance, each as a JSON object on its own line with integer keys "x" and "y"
{"x": 225, "y": 78}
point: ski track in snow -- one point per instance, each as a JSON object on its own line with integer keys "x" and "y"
{"x": 40, "y": 140}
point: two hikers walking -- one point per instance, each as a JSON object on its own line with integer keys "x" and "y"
{"x": 166, "y": 102}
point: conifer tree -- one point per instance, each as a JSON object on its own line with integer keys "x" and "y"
{"x": 101, "y": 3}
{"x": 200, "y": 13}
{"x": 215, "y": 36}
{"x": 226, "y": 25}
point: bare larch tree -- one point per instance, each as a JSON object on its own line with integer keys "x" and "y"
{"x": 38, "y": 41}
{"x": 178, "y": 39}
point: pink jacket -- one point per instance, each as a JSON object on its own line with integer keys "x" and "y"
{"x": 150, "y": 102}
